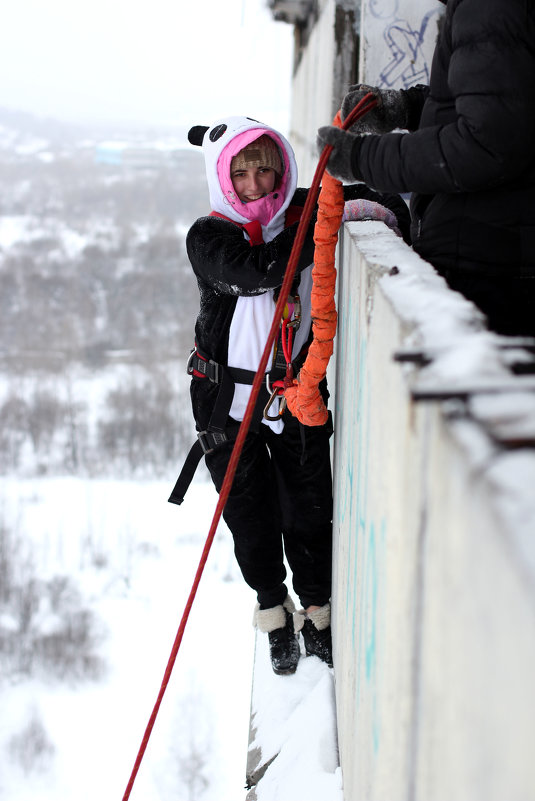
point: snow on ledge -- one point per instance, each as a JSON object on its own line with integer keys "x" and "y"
{"x": 462, "y": 352}
{"x": 441, "y": 323}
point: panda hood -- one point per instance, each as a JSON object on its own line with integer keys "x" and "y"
{"x": 220, "y": 143}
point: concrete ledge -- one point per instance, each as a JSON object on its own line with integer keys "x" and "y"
{"x": 434, "y": 527}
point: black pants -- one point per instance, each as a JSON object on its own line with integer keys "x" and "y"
{"x": 279, "y": 506}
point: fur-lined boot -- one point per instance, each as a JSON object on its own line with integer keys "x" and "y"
{"x": 316, "y": 633}
{"x": 278, "y": 623}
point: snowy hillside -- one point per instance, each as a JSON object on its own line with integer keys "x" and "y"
{"x": 96, "y": 322}
{"x": 97, "y": 316}
{"x": 126, "y": 560}
{"x": 130, "y": 558}
{"x": 97, "y": 307}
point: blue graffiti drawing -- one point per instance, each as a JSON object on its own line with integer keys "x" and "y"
{"x": 384, "y": 9}
{"x": 407, "y": 65}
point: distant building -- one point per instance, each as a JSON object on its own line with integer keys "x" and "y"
{"x": 128, "y": 155}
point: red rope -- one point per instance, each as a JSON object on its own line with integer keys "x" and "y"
{"x": 366, "y": 104}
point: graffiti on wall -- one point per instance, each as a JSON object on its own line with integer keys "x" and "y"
{"x": 362, "y": 569}
{"x": 404, "y": 55}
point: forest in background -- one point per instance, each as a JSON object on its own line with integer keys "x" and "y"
{"x": 98, "y": 299}
{"x": 97, "y": 311}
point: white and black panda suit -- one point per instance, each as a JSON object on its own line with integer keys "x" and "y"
{"x": 282, "y": 492}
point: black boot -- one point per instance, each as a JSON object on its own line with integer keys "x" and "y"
{"x": 316, "y": 633}
{"x": 283, "y": 642}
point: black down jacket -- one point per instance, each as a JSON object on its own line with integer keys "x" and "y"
{"x": 471, "y": 161}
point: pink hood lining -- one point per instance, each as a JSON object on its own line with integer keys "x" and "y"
{"x": 267, "y": 207}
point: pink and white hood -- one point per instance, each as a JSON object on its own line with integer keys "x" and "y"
{"x": 220, "y": 144}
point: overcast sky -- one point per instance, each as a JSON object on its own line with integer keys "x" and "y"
{"x": 178, "y": 62}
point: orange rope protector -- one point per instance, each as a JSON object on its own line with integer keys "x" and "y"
{"x": 303, "y": 397}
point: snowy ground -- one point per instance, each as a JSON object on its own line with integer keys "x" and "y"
{"x": 295, "y": 722}
{"x": 133, "y": 556}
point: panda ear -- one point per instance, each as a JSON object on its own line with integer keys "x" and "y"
{"x": 196, "y": 134}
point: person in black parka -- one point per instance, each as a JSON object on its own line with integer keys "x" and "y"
{"x": 468, "y": 158}
{"x": 280, "y": 503}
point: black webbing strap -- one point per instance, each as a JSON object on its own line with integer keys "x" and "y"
{"x": 205, "y": 443}
{"x": 208, "y": 440}
{"x": 218, "y": 420}
{"x": 202, "y": 368}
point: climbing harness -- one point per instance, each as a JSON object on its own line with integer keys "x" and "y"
{"x": 365, "y": 105}
{"x": 279, "y": 377}
{"x": 201, "y": 367}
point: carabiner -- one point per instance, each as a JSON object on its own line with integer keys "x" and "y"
{"x": 282, "y": 406}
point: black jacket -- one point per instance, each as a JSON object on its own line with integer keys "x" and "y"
{"x": 226, "y": 266}
{"x": 471, "y": 163}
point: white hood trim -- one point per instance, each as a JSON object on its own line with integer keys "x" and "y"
{"x": 233, "y": 126}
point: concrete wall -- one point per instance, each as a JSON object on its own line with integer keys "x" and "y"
{"x": 434, "y": 586}
{"x": 434, "y": 582}
{"x": 325, "y": 65}
{"x": 386, "y": 43}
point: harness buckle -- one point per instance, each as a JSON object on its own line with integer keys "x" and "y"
{"x": 211, "y": 439}
{"x": 189, "y": 365}
{"x": 207, "y": 367}
{"x": 216, "y": 369}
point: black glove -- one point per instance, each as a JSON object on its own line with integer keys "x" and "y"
{"x": 392, "y": 110}
{"x": 340, "y": 164}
